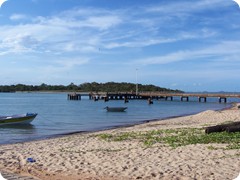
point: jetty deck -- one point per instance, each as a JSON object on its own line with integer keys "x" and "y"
{"x": 202, "y": 97}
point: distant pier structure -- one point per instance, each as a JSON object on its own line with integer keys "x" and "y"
{"x": 149, "y": 96}
{"x": 74, "y": 96}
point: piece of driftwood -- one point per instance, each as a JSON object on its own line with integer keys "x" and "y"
{"x": 223, "y": 127}
{"x": 233, "y": 129}
{"x": 212, "y": 129}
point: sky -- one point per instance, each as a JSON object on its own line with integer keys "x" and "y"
{"x": 189, "y": 45}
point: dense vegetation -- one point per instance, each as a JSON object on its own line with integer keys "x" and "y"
{"x": 86, "y": 87}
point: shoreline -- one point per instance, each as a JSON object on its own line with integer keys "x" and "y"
{"x": 85, "y": 156}
{"x": 231, "y": 105}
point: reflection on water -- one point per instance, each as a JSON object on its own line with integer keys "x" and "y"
{"x": 16, "y": 132}
{"x": 18, "y": 126}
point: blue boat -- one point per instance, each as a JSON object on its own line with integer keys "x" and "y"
{"x": 17, "y": 119}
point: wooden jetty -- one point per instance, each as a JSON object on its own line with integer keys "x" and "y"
{"x": 126, "y": 96}
{"x": 74, "y": 96}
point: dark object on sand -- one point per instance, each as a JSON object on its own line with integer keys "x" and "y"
{"x": 233, "y": 129}
{"x": 230, "y": 127}
{"x": 31, "y": 160}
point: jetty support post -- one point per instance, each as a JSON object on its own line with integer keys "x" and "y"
{"x": 74, "y": 96}
{"x": 222, "y": 98}
{"x": 90, "y": 96}
{"x": 166, "y": 98}
{"x": 185, "y": 97}
{"x": 106, "y": 99}
{"x": 125, "y": 99}
{"x": 200, "y": 99}
{"x": 96, "y": 98}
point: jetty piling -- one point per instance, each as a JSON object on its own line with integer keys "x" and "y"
{"x": 185, "y": 97}
{"x": 125, "y": 99}
{"x": 171, "y": 98}
{"x": 74, "y": 96}
{"x": 200, "y": 99}
{"x": 222, "y": 98}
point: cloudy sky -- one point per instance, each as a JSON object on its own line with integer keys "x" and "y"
{"x": 184, "y": 44}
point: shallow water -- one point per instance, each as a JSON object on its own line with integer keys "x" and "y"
{"x": 57, "y": 115}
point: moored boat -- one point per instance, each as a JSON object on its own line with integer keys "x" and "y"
{"x": 17, "y": 119}
{"x": 115, "y": 109}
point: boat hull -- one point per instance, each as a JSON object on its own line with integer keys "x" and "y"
{"x": 115, "y": 109}
{"x": 17, "y": 119}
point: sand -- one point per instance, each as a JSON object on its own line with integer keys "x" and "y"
{"x": 86, "y": 156}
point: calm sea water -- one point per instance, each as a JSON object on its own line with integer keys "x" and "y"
{"x": 57, "y": 115}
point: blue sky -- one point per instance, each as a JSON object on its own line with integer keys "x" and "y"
{"x": 185, "y": 44}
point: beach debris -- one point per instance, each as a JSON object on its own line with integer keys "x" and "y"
{"x": 31, "y": 160}
{"x": 233, "y": 129}
{"x": 230, "y": 127}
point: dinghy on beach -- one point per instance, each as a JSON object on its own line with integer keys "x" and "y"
{"x": 17, "y": 119}
{"x": 115, "y": 109}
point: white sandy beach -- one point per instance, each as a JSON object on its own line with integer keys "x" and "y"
{"x": 86, "y": 156}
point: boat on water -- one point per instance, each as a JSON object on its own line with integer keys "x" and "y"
{"x": 17, "y": 119}
{"x": 115, "y": 109}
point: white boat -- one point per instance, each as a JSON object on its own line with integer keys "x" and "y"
{"x": 115, "y": 109}
{"x": 17, "y": 119}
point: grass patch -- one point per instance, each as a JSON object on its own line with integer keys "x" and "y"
{"x": 70, "y": 150}
{"x": 226, "y": 122}
{"x": 177, "y": 137}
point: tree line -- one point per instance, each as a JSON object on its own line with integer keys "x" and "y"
{"x": 87, "y": 87}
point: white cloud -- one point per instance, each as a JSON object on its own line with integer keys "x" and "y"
{"x": 19, "y": 43}
{"x": 58, "y": 69}
{"x": 85, "y": 30}
{"x": 70, "y": 63}
{"x": 16, "y": 17}
{"x": 218, "y": 53}
{"x": 103, "y": 22}
{"x": 139, "y": 43}
{"x": 187, "y": 6}
{"x": 58, "y": 33}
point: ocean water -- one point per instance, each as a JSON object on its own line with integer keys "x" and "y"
{"x": 57, "y": 115}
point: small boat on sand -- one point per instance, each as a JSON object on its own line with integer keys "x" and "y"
{"x": 115, "y": 109}
{"x": 17, "y": 119}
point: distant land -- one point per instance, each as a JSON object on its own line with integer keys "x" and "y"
{"x": 87, "y": 87}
